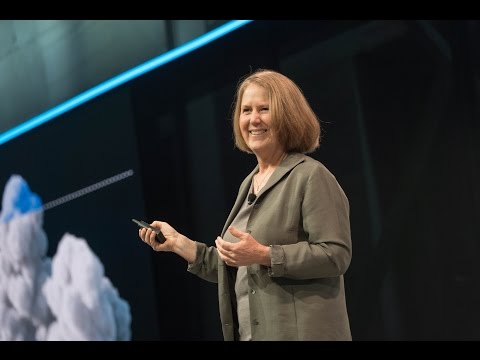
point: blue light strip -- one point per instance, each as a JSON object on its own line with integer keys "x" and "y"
{"x": 121, "y": 79}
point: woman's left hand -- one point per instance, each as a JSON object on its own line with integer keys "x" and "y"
{"x": 246, "y": 251}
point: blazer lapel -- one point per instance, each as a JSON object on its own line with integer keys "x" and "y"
{"x": 287, "y": 165}
{"x": 242, "y": 194}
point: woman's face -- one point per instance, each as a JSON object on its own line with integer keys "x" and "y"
{"x": 255, "y": 121}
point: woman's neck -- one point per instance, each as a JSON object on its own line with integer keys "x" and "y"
{"x": 267, "y": 164}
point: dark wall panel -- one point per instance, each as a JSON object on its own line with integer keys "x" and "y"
{"x": 384, "y": 92}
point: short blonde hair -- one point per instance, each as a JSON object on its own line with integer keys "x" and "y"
{"x": 293, "y": 121}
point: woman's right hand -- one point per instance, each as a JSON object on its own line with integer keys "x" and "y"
{"x": 148, "y": 236}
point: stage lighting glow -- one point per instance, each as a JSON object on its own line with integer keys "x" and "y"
{"x": 122, "y": 79}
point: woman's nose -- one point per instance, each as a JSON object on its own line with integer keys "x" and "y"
{"x": 255, "y": 116}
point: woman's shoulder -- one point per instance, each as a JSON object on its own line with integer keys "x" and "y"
{"x": 309, "y": 166}
{"x": 306, "y": 162}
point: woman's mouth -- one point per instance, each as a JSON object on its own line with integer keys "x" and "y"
{"x": 257, "y": 132}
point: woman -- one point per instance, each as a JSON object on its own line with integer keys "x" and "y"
{"x": 281, "y": 256}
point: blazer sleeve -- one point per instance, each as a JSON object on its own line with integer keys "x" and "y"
{"x": 205, "y": 265}
{"x": 326, "y": 227}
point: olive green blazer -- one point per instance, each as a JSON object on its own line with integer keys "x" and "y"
{"x": 303, "y": 214}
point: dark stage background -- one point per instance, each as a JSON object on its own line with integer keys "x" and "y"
{"x": 399, "y": 106}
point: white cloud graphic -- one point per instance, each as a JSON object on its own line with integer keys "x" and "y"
{"x": 67, "y": 297}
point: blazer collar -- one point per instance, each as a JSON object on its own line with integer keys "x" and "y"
{"x": 292, "y": 160}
